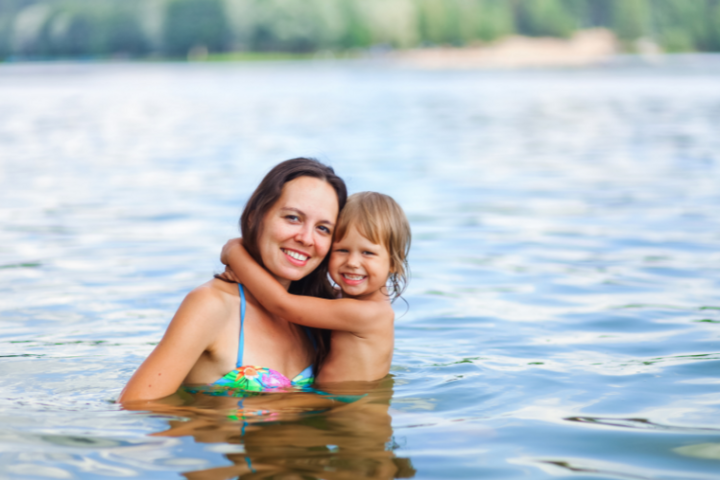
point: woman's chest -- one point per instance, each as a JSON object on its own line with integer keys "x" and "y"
{"x": 274, "y": 343}
{"x": 258, "y": 340}
{"x": 220, "y": 356}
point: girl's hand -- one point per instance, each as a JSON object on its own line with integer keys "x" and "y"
{"x": 229, "y": 275}
{"x": 231, "y": 244}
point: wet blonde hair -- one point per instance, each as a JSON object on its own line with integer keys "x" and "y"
{"x": 381, "y": 220}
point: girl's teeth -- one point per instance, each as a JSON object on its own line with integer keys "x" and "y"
{"x": 296, "y": 255}
{"x": 353, "y": 277}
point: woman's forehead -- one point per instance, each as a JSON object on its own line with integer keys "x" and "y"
{"x": 310, "y": 196}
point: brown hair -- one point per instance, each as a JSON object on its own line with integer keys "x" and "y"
{"x": 381, "y": 220}
{"x": 316, "y": 283}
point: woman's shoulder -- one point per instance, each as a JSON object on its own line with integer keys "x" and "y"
{"x": 213, "y": 297}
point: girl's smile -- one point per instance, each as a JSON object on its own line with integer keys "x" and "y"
{"x": 359, "y": 266}
{"x": 353, "y": 279}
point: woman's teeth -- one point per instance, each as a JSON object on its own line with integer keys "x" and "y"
{"x": 353, "y": 277}
{"x": 296, "y": 255}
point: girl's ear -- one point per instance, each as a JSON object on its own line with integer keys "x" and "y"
{"x": 393, "y": 266}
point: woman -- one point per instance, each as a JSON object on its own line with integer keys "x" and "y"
{"x": 219, "y": 329}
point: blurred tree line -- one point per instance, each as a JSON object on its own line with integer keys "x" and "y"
{"x": 48, "y": 28}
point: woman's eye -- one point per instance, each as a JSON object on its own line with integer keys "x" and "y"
{"x": 324, "y": 229}
{"x": 292, "y": 218}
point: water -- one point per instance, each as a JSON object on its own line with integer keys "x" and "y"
{"x": 563, "y": 313}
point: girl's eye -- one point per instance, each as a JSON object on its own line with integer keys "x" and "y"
{"x": 366, "y": 252}
{"x": 341, "y": 250}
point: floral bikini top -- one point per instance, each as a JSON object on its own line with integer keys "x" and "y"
{"x": 250, "y": 378}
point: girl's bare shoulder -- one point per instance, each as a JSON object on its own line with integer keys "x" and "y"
{"x": 389, "y": 313}
{"x": 383, "y": 314}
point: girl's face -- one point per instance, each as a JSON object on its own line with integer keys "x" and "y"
{"x": 359, "y": 266}
{"x": 297, "y": 231}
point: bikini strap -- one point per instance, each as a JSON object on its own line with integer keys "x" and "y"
{"x": 312, "y": 338}
{"x": 241, "y": 341}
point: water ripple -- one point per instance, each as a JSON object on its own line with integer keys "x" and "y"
{"x": 562, "y": 314}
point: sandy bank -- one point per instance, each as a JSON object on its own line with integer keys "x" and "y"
{"x": 586, "y": 47}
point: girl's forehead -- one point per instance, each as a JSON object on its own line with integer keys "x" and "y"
{"x": 355, "y": 234}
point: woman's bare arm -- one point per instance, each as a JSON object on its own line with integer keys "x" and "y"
{"x": 189, "y": 334}
{"x": 342, "y": 314}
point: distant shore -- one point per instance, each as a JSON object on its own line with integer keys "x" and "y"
{"x": 585, "y": 48}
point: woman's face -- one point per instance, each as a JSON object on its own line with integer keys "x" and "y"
{"x": 297, "y": 231}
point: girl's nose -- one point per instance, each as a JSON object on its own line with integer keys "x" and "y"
{"x": 353, "y": 260}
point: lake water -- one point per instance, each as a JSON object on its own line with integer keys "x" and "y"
{"x": 564, "y": 306}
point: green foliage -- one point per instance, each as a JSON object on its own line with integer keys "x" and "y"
{"x": 74, "y": 33}
{"x": 195, "y": 23}
{"x": 76, "y": 28}
{"x": 544, "y": 18}
{"x": 687, "y": 26}
{"x": 459, "y": 22}
{"x": 357, "y": 33}
{"x": 630, "y": 19}
{"x": 434, "y": 20}
{"x": 390, "y": 22}
{"x": 714, "y": 34}
{"x": 124, "y": 34}
{"x": 5, "y": 48}
{"x": 598, "y": 13}
{"x": 289, "y": 26}
{"x": 110, "y": 27}
{"x": 495, "y": 19}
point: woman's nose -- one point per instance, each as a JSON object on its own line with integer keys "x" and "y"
{"x": 304, "y": 236}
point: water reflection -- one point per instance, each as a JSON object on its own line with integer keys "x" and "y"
{"x": 709, "y": 451}
{"x": 345, "y": 434}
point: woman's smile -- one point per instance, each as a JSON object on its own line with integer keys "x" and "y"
{"x": 295, "y": 257}
{"x": 297, "y": 230}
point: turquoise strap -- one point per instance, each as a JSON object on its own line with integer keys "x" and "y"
{"x": 247, "y": 459}
{"x": 241, "y": 342}
{"x": 312, "y": 339}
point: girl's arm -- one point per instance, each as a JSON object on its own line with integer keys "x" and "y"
{"x": 190, "y": 332}
{"x": 342, "y": 314}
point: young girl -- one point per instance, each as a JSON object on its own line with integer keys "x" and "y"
{"x": 372, "y": 240}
